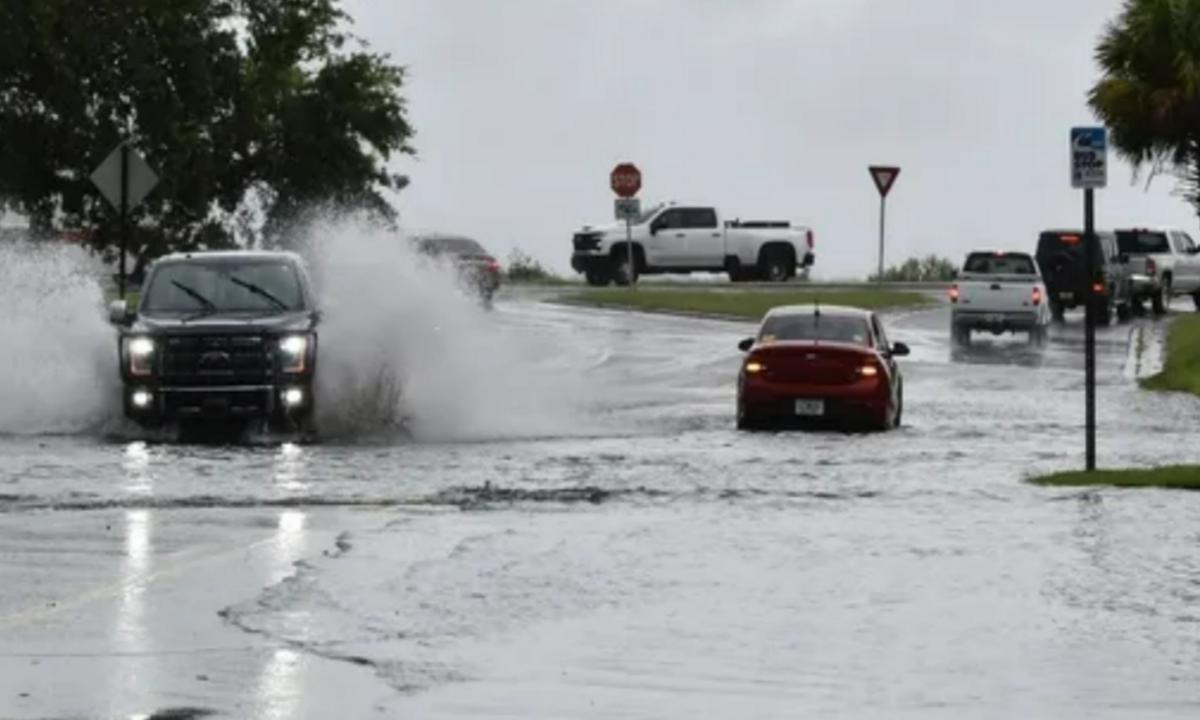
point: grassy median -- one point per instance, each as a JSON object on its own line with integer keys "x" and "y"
{"x": 749, "y": 304}
{"x": 1182, "y": 477}
{"x": 1180, "y": 373}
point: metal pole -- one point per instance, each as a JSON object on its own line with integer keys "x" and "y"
{"x": 882, "y": 220}
{"x": 124, "y": 211}
{"x": 1089, "y": 337}
{"x": 629, "y": 248}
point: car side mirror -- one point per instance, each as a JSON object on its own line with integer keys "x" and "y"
{"x": 899, "y": 349}
{"x": 119, "y": 313}
{"x": 746, "y": 344}
{"x": 317, "y": 316}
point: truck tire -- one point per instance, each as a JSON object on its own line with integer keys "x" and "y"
{"x": 1196, "y": 300}
{"x": 596, "y": 278}
{"x": 1104, "y": 311}
{"x": 623, "y": 274}
{"x": 1162, "y": 299}
{"x": 777, "y": 263}
{"x": 1056, "y": 311}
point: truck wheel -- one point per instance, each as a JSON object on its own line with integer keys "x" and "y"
{"x": 1162, "y": 300}
{"x": 1196, "y": 300}
{"x": 1104, "y": 312}
{"x": 777, "y": 265}
{"x": 595, "y": 278}
{"x": 1125, "y": 310}
{"x": 1056, "y": 311}
{"x": 623, "y": 273}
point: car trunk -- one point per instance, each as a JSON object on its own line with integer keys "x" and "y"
{"x": 813, "y": 363}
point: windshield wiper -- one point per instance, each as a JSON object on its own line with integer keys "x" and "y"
{"x": 208, "y": 305}
{"x": 257, "y": 290}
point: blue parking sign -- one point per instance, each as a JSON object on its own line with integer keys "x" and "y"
{"x": 1089, "y": 157}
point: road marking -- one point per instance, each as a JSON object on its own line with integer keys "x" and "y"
{"x": 33, "y": 615}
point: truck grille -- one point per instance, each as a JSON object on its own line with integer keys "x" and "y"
{"x": 587, "y": 241}
{"x": 215, "y": 360}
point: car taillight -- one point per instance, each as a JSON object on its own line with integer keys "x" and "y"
{"x": 810, "y": 238}
{"x": 492, "y": 265}
{"x": 1151, "y": 267}
{"x": 953, "y": 293}
{"x": 1037, "y": 296}
{"x": 1098, "y": 288}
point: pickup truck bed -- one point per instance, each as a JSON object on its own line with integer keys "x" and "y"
{"x": 999, "y": 292}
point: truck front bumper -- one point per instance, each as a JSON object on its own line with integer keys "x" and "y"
{"x": 996, "y": 322}
{"x": 152, "y": 405}
{"x": 590, "y": 262}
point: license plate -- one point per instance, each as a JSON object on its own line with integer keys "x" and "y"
{"x": 1067, "y": 295}
{"x": 995, "y": 319}
{"x": 809, "y": 408}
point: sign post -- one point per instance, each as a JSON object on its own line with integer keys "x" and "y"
{"x": 124, "y": 179}
{"x": 626, "y": 182}
{"x": 1089, "y": 171}
{"x": 884, "y": 177}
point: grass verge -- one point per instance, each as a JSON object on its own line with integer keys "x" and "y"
{"x": 748, "y": 304}
{"x": 1180, "y": 373}
{"x": 1181, "y": 363}
{"x": 1179, "y": 477}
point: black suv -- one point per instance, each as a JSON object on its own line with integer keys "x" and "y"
{"x": 222, "y": 337}
{"x": 1061, "y": 258}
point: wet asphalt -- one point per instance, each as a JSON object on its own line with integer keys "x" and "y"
{"x": 631, "y": 557}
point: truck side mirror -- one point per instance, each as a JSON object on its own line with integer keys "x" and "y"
{"x": 119, "y": 313}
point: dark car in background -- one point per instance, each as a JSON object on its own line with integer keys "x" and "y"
{"x": 477, "y": 268}
{"x": 1063, "y": 262}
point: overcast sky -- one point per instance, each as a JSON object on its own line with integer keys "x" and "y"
{"x": 765, "y": 108}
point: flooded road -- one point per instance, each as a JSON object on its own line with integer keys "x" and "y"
{"x": 628, "y": 555}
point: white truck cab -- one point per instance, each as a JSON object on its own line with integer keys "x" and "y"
{"x": 680, "y": 238}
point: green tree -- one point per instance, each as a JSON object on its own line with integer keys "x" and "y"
{"x": 930, "y": 268}
{"x": 250, "y": 111}
{"x": 1149, "y": 91}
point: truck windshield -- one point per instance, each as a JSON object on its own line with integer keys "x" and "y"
{"x": 223, "y": 286}
{"x": 1000, "y": 264}
{"x": 1142, "y": 242}
{"x": 827, "y": 328}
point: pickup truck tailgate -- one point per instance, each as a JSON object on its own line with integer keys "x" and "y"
{"x": 998, "y": 293}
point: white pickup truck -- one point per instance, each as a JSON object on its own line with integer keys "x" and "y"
{"x": 999, "y": 292}
{"x": 675, "y": 238}
{"x": 1163, "y": 263}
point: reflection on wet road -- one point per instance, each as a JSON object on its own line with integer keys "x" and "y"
{"x": 645, "y": 561}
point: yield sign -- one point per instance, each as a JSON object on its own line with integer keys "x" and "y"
{"x": 884, "y": 177}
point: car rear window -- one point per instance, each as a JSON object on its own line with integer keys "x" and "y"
{"x": 1000, "y": 264}
{"x": 1133, "y": 242}
{"x": 451, "y": 246}
{"x": 827, "y": 328}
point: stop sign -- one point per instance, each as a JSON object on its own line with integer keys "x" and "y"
{"x": 626, "y": 180}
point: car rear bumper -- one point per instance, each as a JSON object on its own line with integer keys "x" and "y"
{"x": 153, "y": 405}
{"x": 996, "y": 321}
{"x": 865, "y": 400}
{"x": 1141, "y": 286}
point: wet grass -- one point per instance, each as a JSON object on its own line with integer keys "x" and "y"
{"x": 1181, "y": 364}
{"x": 1177, "y": 477}
{"x": 748, "y": 304}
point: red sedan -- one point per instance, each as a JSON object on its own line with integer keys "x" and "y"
{"x": 820, "y": 362}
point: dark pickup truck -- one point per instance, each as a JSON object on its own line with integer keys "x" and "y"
{"x": 220, "y": 337}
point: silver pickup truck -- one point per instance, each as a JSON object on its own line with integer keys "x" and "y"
{"x": 1163, "y": 263}
{"x": 999, "y": 292}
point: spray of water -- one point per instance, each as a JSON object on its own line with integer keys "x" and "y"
{"x": 58, "y": 348}
{"x": 403, "y": 345}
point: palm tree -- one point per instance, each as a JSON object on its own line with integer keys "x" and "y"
{"x": 1149, "y": 95}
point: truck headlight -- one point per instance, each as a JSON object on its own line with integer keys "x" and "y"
{"x": 293, "y": 352}
{"x": 140, "y": 351}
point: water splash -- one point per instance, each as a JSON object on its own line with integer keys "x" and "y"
{"x": 58, "y": 348}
